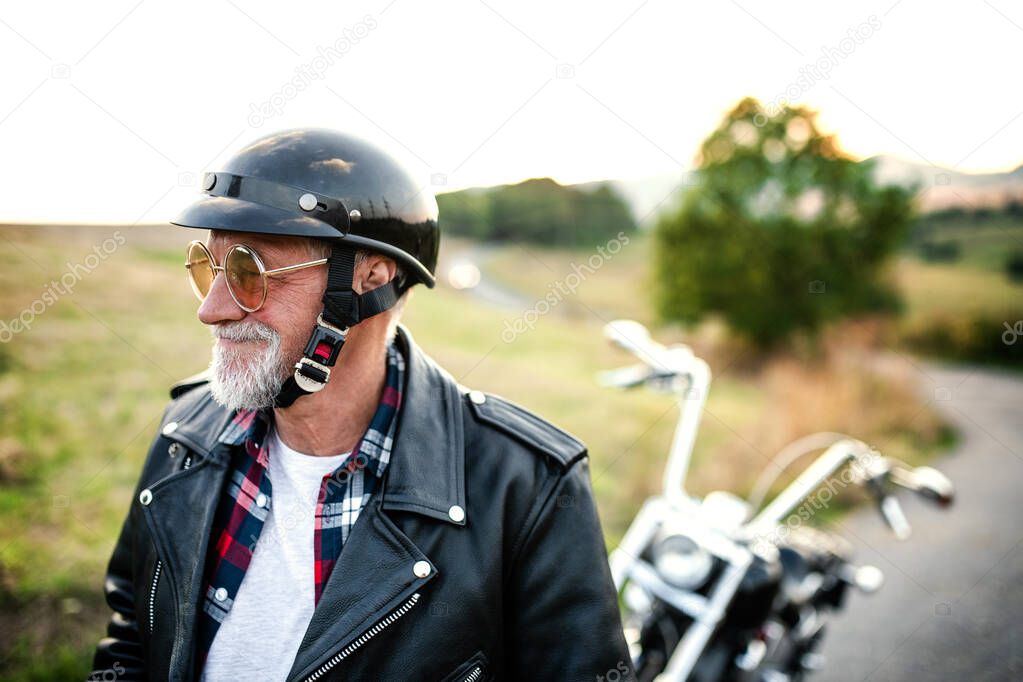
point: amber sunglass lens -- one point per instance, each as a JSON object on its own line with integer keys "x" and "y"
{"x": 200, "y": 270}
{"x": 244, "y": 277}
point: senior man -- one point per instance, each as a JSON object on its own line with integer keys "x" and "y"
{"x": 326, "y": 503}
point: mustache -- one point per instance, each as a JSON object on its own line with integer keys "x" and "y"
{"x": 247, "y": 378}
{"x": 249, "y": 330}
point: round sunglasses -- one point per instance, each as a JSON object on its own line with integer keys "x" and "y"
{"x": 246, "y": 275}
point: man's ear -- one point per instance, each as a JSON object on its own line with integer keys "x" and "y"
{"x": 374, "y": 271}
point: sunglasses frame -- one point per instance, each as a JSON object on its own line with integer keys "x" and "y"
{"x": 263, "y": 272}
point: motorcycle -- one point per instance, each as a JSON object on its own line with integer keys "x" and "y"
{"x": 722, "y": 588}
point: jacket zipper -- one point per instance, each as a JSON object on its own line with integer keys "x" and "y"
{"x": 152, "y": 592}
{"x": 474, "y": 675}
{"x": 364, "y": 637}
{"x": 159, "y": 566}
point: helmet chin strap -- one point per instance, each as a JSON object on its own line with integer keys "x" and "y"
{"x": 342, "y": 309}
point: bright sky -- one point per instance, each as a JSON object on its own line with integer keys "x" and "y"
{"x": 110, "y": 111}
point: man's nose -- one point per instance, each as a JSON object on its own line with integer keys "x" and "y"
{"x": 219, "y": 306}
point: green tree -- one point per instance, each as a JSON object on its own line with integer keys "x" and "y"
{"x": 464, "y": 213}
{"x": 538, "y": 211}
{"x": 781, "y": 231}
{"x": 1014, "y": 265}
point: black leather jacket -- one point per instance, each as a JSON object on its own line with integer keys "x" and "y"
{"x": 518, "y": 589}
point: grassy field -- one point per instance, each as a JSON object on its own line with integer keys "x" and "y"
{"x": 617, "y": 289}
{"x": 962, "y": 309}
{"x": 83, "y": 386}
{"x": 974, "y": 285}
{"x": 943, "y": 289}
{"x": 983, "y": 243}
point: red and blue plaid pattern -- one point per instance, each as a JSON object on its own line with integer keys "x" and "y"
{"x": 239, "y": 518}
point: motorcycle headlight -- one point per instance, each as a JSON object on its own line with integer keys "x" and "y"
{"x": 682, "y": 562}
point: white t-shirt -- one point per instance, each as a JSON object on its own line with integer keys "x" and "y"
{"x": 261, "y": 633}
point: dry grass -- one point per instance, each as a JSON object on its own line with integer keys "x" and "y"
{"x": 859, "y": 388}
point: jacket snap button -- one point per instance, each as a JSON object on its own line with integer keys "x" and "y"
{"x": 477, "y": 397}
{"x": 220, "y": 594}
{"x": 261, "y": 500}
{"x": 146, "y": 496}
{"x": 421, "y": 569}
{"x": 169, "y": 428}
{"x": 456, "y": 513}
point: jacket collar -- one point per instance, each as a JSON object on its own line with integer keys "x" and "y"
{"x": 427, "y": 469}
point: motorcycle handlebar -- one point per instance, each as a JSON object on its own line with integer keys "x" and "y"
{"x": 894, "y": 517}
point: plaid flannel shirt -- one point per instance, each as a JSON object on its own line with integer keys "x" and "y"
{"x": 245, "y": 502}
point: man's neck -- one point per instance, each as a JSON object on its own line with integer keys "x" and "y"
{"x": 333, "y": 420}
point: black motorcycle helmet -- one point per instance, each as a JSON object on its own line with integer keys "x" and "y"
{"x": 329, "y": 185}
{"x": 363, "y": 197}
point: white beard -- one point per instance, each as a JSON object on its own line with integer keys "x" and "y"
{"x": 244, "y": 379}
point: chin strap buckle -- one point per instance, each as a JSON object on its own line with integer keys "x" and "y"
{"x": 312, "y": 372}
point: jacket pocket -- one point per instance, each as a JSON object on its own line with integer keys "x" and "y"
{"x": 475, "y": 669}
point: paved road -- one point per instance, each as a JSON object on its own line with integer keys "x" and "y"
{"x": 952, "y": 604}
{"x": 488, "y": 291}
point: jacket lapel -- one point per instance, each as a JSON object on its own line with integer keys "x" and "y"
{"x": 373, "y": 576}
{"x": 426, "y": 475}
{"x": 427, "y": 469}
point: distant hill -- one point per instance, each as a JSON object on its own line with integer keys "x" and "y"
{"x": 941, "y": 188}
{"x": 944, "y": 188}
{"x": 651, "y": 195}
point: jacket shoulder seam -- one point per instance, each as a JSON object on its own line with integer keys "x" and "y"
{"x": 526, "y": 427}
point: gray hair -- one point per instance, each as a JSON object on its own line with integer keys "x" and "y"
{"x": 320, "y": 248}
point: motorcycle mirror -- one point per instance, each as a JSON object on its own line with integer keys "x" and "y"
{"x": 933, "y": 485}
{"x": 624, "y": 377}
